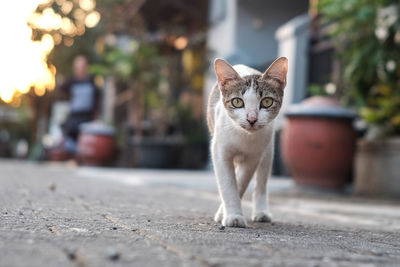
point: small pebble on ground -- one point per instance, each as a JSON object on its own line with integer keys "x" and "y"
{"x": 114, "y": 255}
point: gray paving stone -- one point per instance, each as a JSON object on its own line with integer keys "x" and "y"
{"x": 61, "y": 215}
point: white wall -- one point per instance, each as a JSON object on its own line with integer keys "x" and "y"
{"x": 257, "y": 23}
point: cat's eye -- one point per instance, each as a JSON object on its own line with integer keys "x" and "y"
{"x": 237, "y": 102}
{"x": 266, "y": 102}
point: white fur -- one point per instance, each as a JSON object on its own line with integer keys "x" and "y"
{"x": 240, "y": 151}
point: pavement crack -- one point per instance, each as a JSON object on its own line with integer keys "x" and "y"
{"x": 154, "y": 238}
{"x": 73, "y": 255}
{"x": 159, "y": 241}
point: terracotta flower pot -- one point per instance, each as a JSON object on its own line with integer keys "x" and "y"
{"x": 96, "y": 144}
{"x": 318, "y": 143}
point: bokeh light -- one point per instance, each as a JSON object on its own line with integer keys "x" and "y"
{"x": 87, "y": 5}
{"x": 92, "y": 19}
{"x": 180, "y": 43}
{"x": 66, "y": 7}
{"x": 23, "y": 63}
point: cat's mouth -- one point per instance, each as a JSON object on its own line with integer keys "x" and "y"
{"x": 252, "y": 128}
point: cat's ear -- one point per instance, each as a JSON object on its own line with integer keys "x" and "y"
{"x": 224, "y": 72}
{"x": 278, "y": 70}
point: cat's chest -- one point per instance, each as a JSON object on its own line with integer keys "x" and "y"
{"x": 244, "y": 145}
{"x": 248, "y": 143}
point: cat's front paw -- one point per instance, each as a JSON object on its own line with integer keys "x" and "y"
{"x": 234, "y": 221}
{"x": 219, "y": 215}
{"x": 261, "y": 216}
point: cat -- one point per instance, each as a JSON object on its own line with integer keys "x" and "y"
{"x": 241, "y": 110}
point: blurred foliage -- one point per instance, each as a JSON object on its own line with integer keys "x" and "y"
{"x": 137, "y": 64}
{"x": 366, "y": 35}
{"x": 318, "y": 90}
{"x": 64, "y": 20}
{"x": 76, "y": 25}
{"x": 137, "y": 60}
{"x": 192, "y": 129}
{"x": 154, "y": 48}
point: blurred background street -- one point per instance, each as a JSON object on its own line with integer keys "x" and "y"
{"x": 104, "y": 153}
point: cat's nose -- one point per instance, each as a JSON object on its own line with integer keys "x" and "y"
{"x": 252, "y": 121}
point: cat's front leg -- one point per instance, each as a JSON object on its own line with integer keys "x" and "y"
{"x": 260, "y": 194}
{"x": 224, "y": 170}
{"x": 244, "y": 173}
{"x": 219, "y": 215}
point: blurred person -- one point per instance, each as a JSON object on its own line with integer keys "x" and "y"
{"x": 83, "y": 101}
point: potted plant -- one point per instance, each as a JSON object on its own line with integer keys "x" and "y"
{"x": 318, "y": 140}
{"x": 96, "y": 144}
{"x": 367, "y": 41}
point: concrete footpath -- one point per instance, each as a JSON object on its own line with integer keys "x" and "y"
{"x": 62, "y": 215}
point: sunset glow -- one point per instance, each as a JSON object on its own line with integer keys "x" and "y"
{"x": 23, "y": 63}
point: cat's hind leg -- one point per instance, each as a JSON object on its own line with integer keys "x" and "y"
{"x": 260, "y": 194}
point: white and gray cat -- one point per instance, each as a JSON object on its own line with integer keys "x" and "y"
{"x": 241, "y": 110}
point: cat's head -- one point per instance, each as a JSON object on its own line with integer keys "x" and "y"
{"x": 252, "y": 101}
